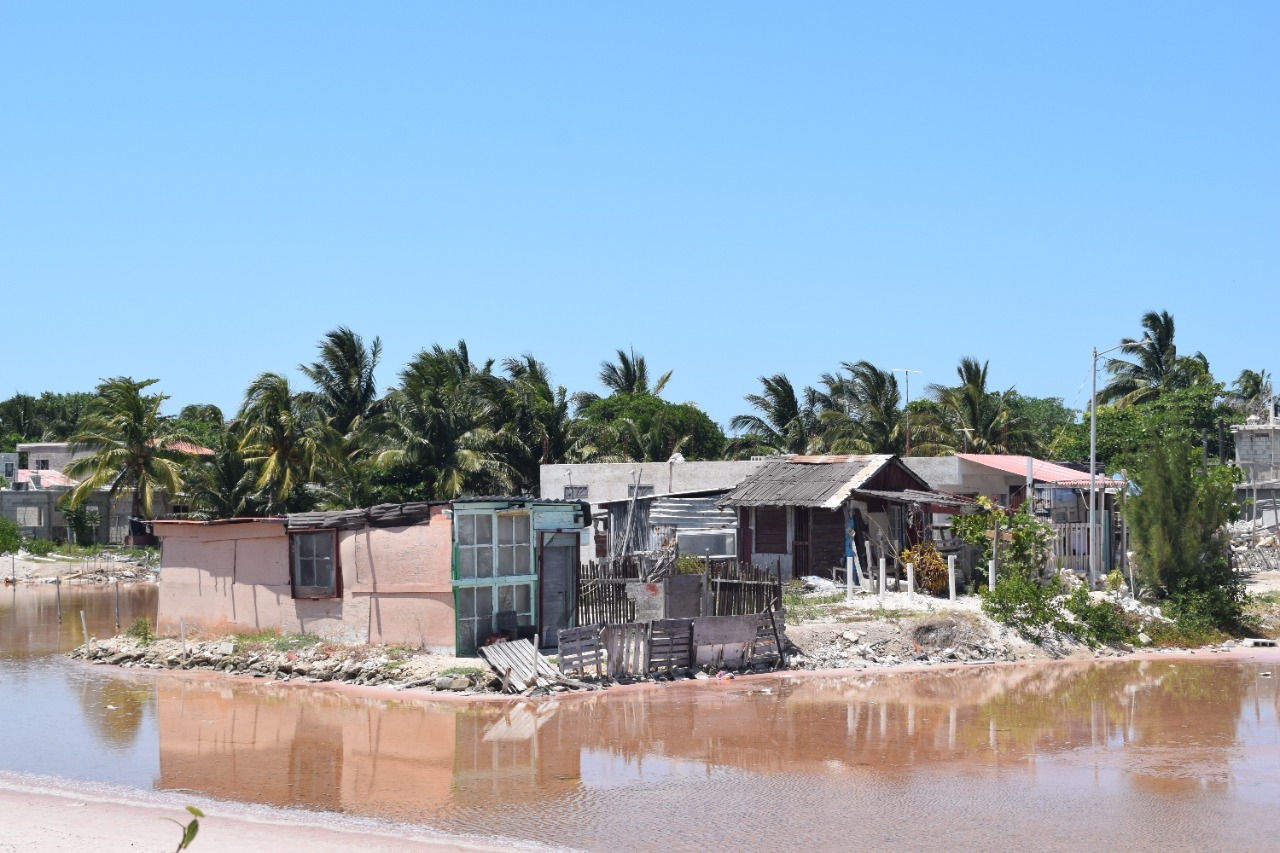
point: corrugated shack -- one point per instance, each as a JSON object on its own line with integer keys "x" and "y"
{"x": 809, "y": 514}
{"x": 688, "y": 523}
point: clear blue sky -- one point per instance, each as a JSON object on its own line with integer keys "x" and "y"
{"x": 198, "y": 191}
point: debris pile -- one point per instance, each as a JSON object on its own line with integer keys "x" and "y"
{"x": 401, "y": 669}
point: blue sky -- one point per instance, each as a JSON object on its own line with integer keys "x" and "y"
{"x": 197, "y": 192}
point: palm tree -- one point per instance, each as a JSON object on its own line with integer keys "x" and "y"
{"x": 287, "y": 440}
{"x": 131, "y": 443}
{"x": 1156, "y": 366}
{"x": 861, "y": 413}
{"x": 346, "y": 391}
{"x": 440, "y": 431}
{"x": 1252, "y": 390}
{"x": 971, "y": 415}
{"x": 630, "y": 375}
{"x": 535, "y": 415}
{"x": 782, "y": 425}
{"x": 223, "y": 485}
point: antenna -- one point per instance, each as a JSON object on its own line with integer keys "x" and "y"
{"x": 906, "y": 407}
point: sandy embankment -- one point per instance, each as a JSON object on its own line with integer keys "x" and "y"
{"x": 47, "y": 816}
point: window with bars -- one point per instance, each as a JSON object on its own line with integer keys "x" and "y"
{"x": 576, "y": 493}
{"x": 643, "y": 490}
{"x": 314, "y": 561}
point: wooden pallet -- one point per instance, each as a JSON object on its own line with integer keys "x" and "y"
{"x": 520, "y": 666}
{"x": 670, "y": 644}
{"x": 627, "y": 649}
{"x": 581, "y": 648}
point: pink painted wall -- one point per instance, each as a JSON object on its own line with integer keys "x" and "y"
{"x": 396, "y": 583}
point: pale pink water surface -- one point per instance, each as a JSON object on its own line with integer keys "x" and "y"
{"x": 1160, "y": 754}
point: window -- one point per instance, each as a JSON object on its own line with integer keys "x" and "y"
{"x": 643, "y": 490}
{"x": 494, "y": 571}
{"x": 771, "y": 530}
{"x": 576, "y": 493}
{"x": 315, "y": 564}
{"x": 42, "y": 464}
{"x": 29, "y": 516}
{"x": 8, "y": 471}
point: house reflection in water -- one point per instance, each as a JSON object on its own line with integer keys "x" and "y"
{"x": 503, "y": 767}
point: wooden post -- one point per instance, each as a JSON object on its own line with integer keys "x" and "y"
{"x": 995, "y": 552}
{"x": 117, "y": 605}
{"x": 848, "y": 578}
{"x": 911, "y": 579}
{"x": 85, "y": 629}
{"x": 951, "y": 575}
{"x": 882, "y": 577}
{"x": 182, "y": 638}
{"x": 57, "y": 589}
{"x": 991, "y": 575}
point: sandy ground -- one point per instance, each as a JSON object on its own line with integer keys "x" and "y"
{"x": 36, "y": 816}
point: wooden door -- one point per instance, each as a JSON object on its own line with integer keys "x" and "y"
{"x": 557, "y": 556}
{"x": 801, "y": 562}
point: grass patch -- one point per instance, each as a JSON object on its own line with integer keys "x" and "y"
{"x": 277, "y": 642}
{"x": 803, "y": 608}
{"x": 468, "y": 671}
{"x": 1182, "y": 634}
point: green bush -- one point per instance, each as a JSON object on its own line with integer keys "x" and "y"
{"x": 1026, "y": 605}
{"x": 38, "y": 547}
{"x": 687, "y": 564}
{"x": 1101, "y": 621}
{"x": 140, "y": 630}
{"x": 10, "y": 536}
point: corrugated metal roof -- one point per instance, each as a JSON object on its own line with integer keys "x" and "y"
{"x": 812, "y": 481}
{"x": 690, "y": 512}
{"x": 382, "y": 515}
{"x": 915, "y": 496}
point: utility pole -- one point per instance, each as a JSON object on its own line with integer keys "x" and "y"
{"x": 906, "y": 407}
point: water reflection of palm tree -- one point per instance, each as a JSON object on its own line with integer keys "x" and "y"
{"x": 116, "y": 707}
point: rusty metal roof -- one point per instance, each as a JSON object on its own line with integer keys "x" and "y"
{"x": 915, "y": 496}
{"x": 382, "y": 515}
{"x": 812, "y": 481}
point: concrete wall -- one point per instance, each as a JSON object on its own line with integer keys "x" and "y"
{"x": 57, "y": 453}
{"x": 38, "y": 517}
{"x": 396, "y": 583}
{"x": 608, "y": 481}
{"x": 961, "y": 477}
{"x": 1258, "y": 451}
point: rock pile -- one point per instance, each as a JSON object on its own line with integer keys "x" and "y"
{"x": 396, "y": 668}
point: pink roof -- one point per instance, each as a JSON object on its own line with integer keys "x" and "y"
{"x": 186, "y": 447}
{"x": 1041, "y": 471}
{"x": 47, "y": 478}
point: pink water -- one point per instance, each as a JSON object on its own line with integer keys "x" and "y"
{"x": 1161, "y": 754}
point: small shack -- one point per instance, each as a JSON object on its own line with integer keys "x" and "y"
{"x": 514, "y": 566}
{"x": 805, "y": 515}
{"x": 377, "y": 575}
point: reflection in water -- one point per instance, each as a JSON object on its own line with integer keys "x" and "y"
{"x": 1158, "y": 754}
{"x": 29, "y": 624}
{"x": 570, "y": 771}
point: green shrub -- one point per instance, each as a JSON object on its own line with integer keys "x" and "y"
{"x": 1101, "y": 621}
{"x": 687, "y": 564}
{"x": 10, "y": 536}
{"x": 140, "y": 630}
{"x": 38, "y": 547}
{"x": 1026, "y": 605}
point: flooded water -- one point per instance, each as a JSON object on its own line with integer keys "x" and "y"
{"x": 1160, "y": 754}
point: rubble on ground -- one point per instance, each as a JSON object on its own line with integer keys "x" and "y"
{"x": 397, "y": 668}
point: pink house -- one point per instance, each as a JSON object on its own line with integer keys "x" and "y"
{"x": 378, "y": 575}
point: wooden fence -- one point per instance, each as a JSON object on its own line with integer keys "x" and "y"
{"x": 730, "y": 588}
{"x": 639, "y": 649}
